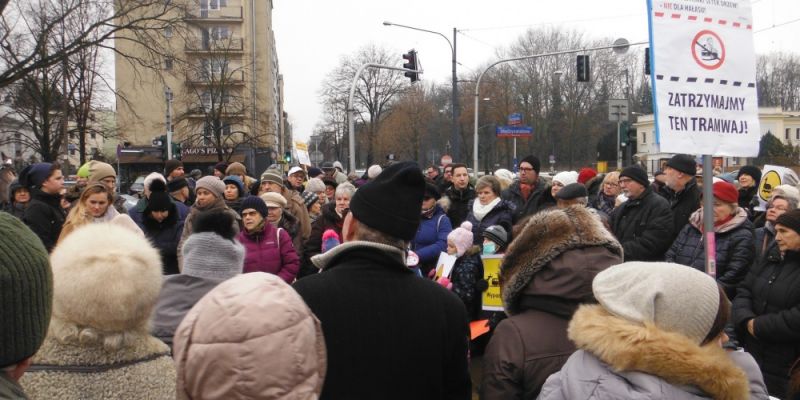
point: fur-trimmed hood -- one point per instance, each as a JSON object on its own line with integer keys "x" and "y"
{"x": 546, "y": 236}
{"x": 628, "y": 347}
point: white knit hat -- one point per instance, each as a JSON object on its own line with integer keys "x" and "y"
{"x": 153, "y": 176}
{"x": 566, "y": 177}
{"x": 674, "y": 297}
{"x": 461, "y": 238}
{"x": 374, "y": 171}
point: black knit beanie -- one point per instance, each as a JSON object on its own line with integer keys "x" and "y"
{"x": 533, "y": 161}
{"x": 159, "y": 199}
{"x": 751, "y": 170}
{"x": 392, "y": 202}
{"x": 636, "y": 173}
{"x": 256, "y": 203}
{"x": 790, "y": 219}
{"x": 683, "y": 163}
{"x": 171, "y": 165}
{"x": 26, "y": 287}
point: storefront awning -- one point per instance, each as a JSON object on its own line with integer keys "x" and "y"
{"x": 209, "y": 158}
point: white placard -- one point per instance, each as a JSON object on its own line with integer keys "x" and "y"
{"x": 773, "y": 176}
{"x": 301, "y": 152}
{"x": 444, "y": 266}
{"x": 704, "y": 77}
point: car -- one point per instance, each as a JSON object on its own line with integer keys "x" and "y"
{"x": 137, "y": 187}
{"x": 729, "y": 177}
{"x": 130, "y": 201}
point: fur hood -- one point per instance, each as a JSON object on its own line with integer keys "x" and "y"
{"x": 628, "y": 346}
{"x": 545, "y": 236}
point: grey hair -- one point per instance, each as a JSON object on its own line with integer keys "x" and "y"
{"x": 345, "y": 188}
{"x": 370, "y": 234}
{"x": 789, "y": 199}
{"x": 488, "y": 181}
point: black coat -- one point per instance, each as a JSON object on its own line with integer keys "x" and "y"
{"x": 165, "y": 236}
{"x": 45, "y": 217}
{"x": 764, "y": 243}
{"x": 329, "y": 219}
{"x": 643, "y": 226}
{"x": 389, "y": 334}
{"x": 746, "y": 196}
{"x": 734, "y": 251}
{"x": 770, "y": 294}
{"x": 499, "y": 215}
{"x": 460, "y": 201}
{"x": 539, "y": 199}
{"x": 682, "y": 204}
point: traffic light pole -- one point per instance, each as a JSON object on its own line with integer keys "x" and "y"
{"x": 529, "y": 57}
{"x": 351, "y": 112}
{"x": 168, "y": 95}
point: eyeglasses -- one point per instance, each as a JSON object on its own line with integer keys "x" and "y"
{"x": 612, "y": 184}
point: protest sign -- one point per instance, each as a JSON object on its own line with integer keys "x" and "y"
{"x": 491, "y": 273}
{"x": 444, "y": 266}
{"x": 773, "y": 176}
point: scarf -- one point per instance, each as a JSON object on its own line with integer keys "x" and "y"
{"x": 526, "y": 190}
{"x": 480, "y": 211}
{"x": 428, "y": 213}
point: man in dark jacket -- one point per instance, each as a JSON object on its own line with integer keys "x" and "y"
{"x": 44, "y": 214}
{"x": 543, "y": 283}
{"x": 388, "y": 333}
{"x": 681, "y": 190}
{"x": 460, "y": 194}
{"x": 529, "y": 194}
{"x": 644, "y": 223}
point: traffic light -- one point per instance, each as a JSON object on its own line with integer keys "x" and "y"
{"x": 287, "y": 157}
{"x": 583, "y": 68}
{"x": 176, "y": 150}
{"x": 647, "y": 61}
{"x": 161, "y": 141}
{"x": 411, "y": 63}
{"x": 631, "y": 134}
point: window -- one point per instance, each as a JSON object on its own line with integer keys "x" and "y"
{"x": 167, "y": 31}
{"x": 93, "y": 135}
{"x": 644, "y": 137}
{"x": 168, "y": 63}
{"x": 219, "y": 32}
{"x": 797, "y": 133}
{"x": 787, "y": 133}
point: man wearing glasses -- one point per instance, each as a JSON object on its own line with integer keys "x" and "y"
{"x": 643, "y": 224}
{"x": 528, "y": 194}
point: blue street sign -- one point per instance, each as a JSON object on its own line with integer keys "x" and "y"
{"x": 514, "y": 131}
{"x": 515, "y": 119}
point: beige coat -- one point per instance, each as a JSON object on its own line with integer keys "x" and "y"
{"x": 251, "y": 337}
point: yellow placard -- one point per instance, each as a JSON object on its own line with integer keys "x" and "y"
{"x": 491, "y": 273}
{"x": 602, "y": 166}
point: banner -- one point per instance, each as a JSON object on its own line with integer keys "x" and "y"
{"x": 773, "y": 176}
{"x": 704, "y": 77}
{"x": 491, "y": 273}
{"x": 301, "y": 152}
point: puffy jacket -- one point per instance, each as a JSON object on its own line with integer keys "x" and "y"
{"x": 165, "y": 236}
{"x": 770, "y": 295}
{"x": 643, "y": 226}
{"x": 734, "y": 248}
{"x": 431, "y": 238}
{"x": 266, "y": 252}
{"x": 539, "y": 199}
{"x": 683, "y": 204}
{"x": 45, "y": 217}
{"x": 251, "y": 337}
{"x": 499, "y": 215}
{"x": 618, "y": 359}
{"x": 178, "y": 295}
{"x": 459, "y": 204}
{"x": 466, "y": 273}
{"x": 313, "y": 246}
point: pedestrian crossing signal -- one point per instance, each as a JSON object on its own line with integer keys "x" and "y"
{"x": 583, "y": 68}
{"x": 411, "y": 63}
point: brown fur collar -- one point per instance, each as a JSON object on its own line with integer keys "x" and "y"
{"x": 545, "y": 236}
{"x": 628, "y": 346}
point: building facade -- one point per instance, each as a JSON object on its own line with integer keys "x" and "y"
{"x": 219, "y": 87}
{"x": 784, "y": 125}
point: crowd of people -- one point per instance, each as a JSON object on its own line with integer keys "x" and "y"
{"x": 309, "y": 283}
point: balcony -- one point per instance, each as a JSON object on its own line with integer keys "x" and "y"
{"x": 201, "y": 112}
{"x": 224, "y": 14}
{"x": 235, "y": 78}
{"x": 204, "y": 46}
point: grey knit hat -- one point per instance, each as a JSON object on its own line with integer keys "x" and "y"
{"x": 315, "y": 185}
{"x": 208, "y": 255}
{"x": 212, "y": 184}
{"x": 674, "y": 297}
{"x": 26, "y": 289}
{"x": 273, "y": 176}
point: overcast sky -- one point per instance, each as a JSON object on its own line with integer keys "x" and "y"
{"x": 313, "y": 35}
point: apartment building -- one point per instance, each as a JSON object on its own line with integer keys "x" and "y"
{"x": 219, "y": 87}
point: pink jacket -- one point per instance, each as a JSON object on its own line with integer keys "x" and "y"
{"x": 262, "y": 253}
{"x": 251, "y": 337}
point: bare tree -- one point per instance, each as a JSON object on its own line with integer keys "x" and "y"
{"x": 778, "y": 80}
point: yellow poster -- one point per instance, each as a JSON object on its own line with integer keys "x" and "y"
{"x": 491, "y": 273}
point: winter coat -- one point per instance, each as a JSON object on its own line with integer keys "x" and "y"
{"x": 266, "y": 252}
{"x": 313, "y": 246}
{"x": 770, "y": 295}
{"x": 144, "y": 370}
{"x": 291, "y": 225}
{"x": 431, "y": 239}
{"x": 764, "y": 242}
{"x": 388, "y": 333}
{"x": 460, "y": 201}
{"x": 539, "y": 199}
{"x": 296, "y": 207}
{"x": 165, "y": 236}
{"x": 500, "y": 214}
{"x": 178, "y": 295}
{"x": 734, "y": 248}
{"x": 137, "y": 212}
{"x": 619, "y": 359}
{"x": 545, "y": 276}
{"x": 683, "y": 204}
{"x": 12, "y": 207}
{"x": 252, "y": 337}
{"x": 746, "y": 196}
{"x": 188, "y": 228}
{"x": 466, "y": 273}
{"x": 45, "y": 217}
{"x": 10, "y": 389}
{"x": 643, "y": 226}
{"x": 235, "y": 205}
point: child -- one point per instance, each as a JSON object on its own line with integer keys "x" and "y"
{"x": 495, "y": 240}
{"x": 468, "y": 269}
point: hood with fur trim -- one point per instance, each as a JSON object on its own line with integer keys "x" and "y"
{"x": 628, "y": 347}
{"x": 546, "y": 236}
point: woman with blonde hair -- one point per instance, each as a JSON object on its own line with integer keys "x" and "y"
{"x": 93, "y": 206}
{"x": 606, "y": 198}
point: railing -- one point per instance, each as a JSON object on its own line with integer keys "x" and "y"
{"x": 212, "y": 45}
{"x": 224, "y": 13}
{"x": 216, "y": 78}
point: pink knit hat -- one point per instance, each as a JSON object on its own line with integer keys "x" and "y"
{"x": 461, "y": 237}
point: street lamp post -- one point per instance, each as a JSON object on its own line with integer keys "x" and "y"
{"x": 454, "y": 138}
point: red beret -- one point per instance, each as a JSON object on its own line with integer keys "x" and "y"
{"x": 726, "y": 192}
{"x": 586, "y": 174}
